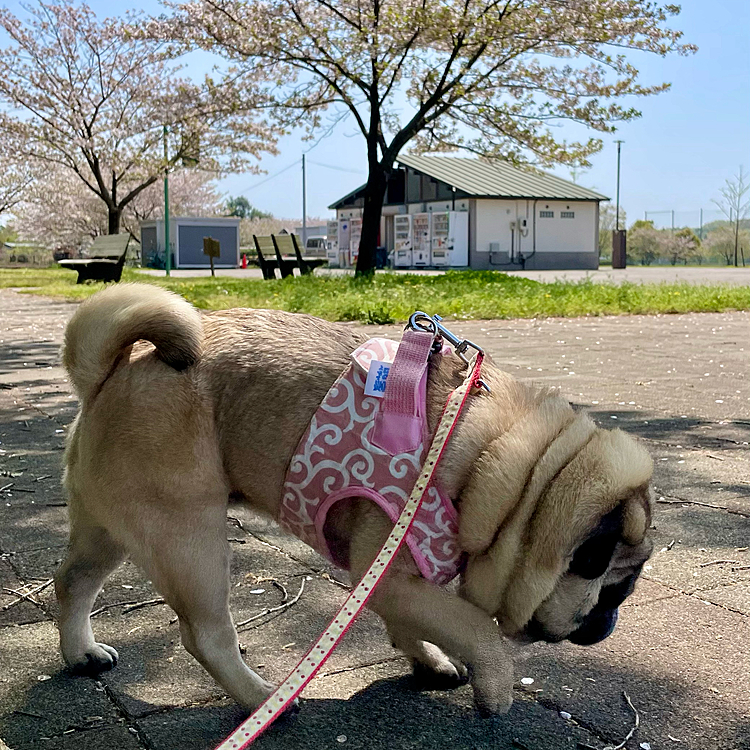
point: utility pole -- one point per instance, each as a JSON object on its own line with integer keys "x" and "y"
{"x": 617, "y": 208}
{"x": 304, "y": 206}
{"x": 167, "y": 251}
{"x": 700, "y": 230}
{"x": 619, "y": 247}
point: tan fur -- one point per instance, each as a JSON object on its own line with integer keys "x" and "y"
{"x": 214, "y": 407}
{"x": 108, "y": 324}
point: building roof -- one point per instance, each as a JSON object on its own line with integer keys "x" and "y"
{"x": 484, "y": 179}
{"x": 480, "y": 178}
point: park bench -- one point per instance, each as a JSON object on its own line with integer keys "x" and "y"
{"x": 282, "y": 251}
{"x": 288, "y": 244}
{"x": 106, "y": 258}
{"x": 269, "y": 258}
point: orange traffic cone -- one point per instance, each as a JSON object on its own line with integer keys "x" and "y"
{"x": 244, "y": 260}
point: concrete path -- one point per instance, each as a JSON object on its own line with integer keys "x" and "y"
{"x": 681, "y": 650}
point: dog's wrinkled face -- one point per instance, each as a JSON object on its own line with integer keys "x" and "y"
{"x": 601, "y": 574}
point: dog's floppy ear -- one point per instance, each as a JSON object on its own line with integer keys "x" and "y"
{"x": 637, "y": 512}
{"x": 491, "y": 572}
{"x": 501, "y": 473}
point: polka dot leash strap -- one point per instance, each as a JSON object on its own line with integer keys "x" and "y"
{"x": 311, "y": 662}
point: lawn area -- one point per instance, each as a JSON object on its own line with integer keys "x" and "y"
{"x": 393, "y": 297}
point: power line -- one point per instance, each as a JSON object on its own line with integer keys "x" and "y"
{"x": 271, "y": 177}
{"x": 338, "y": 169}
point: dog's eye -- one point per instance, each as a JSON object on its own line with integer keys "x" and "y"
{"x": 592, "y": 558}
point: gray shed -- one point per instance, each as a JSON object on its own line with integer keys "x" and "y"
{"x": 186, "y": 235}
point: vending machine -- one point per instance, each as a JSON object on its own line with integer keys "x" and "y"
{"x": 420, "y": 233}
{"x": 440, "y": 225}
{"x": 332, "y": 244}
{"x": 450, "y": 238}
{"x": 344, "y": 236}
{"x": 355, "y": 237}
{"x": 402, "y": 255}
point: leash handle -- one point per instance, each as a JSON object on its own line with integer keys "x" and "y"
{"x": 313, "y": 660}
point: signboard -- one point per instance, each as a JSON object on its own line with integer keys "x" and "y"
{"x": 212, "y": 248}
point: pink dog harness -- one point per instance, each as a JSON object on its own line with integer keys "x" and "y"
{"x": 360, "y": 445}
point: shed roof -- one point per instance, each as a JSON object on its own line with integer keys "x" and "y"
{"x": 479, "y": 178}
{"x": 496, "y": 179}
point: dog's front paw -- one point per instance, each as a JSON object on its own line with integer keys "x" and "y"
{"x": 99, "y": 658}
{"x": 492, "y": 680}
{"x": 261, "y": 691}
{"x": 493, "y": 694}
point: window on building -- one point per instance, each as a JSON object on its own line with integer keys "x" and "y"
{"x": 567, "y": 214}
{"x": 546, "y": 214}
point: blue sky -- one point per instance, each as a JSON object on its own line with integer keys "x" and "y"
{"x": 676, "y": 157}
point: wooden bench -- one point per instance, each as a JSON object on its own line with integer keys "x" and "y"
{"x": 105, "y": 261}
{"x": 282, "y": 251}
{"x": 288, "y": 243}
{"x": 269, "y": 258}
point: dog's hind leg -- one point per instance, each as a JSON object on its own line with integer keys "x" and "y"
{"x": 191, "y": 571}
{"x": 92, "y": 556}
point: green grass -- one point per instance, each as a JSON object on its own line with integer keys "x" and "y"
{"x": 393, "y": 297}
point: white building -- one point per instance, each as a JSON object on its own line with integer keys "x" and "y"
{"x": 515, "y": 218}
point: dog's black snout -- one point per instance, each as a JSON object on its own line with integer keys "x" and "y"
{"x": 600, "y": 622}
{"x": 596, "y": 627}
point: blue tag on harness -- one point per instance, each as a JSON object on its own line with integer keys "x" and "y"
{"x": 376, "y": 378}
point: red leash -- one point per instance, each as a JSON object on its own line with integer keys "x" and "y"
{"x": 313, "y": 660}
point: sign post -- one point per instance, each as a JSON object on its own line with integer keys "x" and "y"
{"x": 212, "y": 248}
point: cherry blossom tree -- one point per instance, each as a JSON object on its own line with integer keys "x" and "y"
{"x": 490, "y": 77}
{"x": 94, "y": 98}
{"x": 60, "y": 212}
{"x": 13, "y": 183}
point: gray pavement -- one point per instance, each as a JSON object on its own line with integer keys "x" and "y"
{"x": 681, "y": 650}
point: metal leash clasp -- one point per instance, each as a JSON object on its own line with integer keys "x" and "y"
{"x": 421, "y": 321}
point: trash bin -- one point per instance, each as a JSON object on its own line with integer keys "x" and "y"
{"x": 381, "y": 257}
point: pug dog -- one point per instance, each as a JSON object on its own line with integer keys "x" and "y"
{"x": 182, "y": 413}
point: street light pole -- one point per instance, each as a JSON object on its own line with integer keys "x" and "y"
{"x": 167, "y": 253}
{"x": 304, "y": 206}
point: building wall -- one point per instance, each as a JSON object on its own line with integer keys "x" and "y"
{"x": 561, "y": 243}
{"x": 190, "y": 238}
{"x": 186, "y": 233}
{"x": 550, "y": 242}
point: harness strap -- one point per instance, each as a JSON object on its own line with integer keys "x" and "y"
{"x": 312, "y": 661}
{"x": 398, "y": 425}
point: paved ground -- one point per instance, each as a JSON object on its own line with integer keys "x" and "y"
{"x": 681, "y": 649}
{"x": 635, "y": 274}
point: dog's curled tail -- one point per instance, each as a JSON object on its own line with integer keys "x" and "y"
{"x": 105, "y": 325}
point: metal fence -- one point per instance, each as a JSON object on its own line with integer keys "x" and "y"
{"x": 696, "y": 219}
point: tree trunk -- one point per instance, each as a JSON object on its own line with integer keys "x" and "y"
{"x": 114, "y": 221}
{"x": 374, "y": 197}
{"x": 115, "y": 211}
